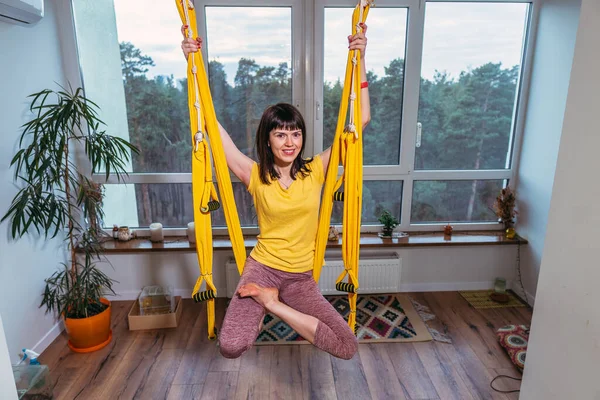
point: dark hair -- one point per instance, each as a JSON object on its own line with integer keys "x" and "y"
{"x": 279, "y": 116}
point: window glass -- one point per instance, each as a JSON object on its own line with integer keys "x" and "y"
{"x": 454, "y": 201}
{"x": 250, "y": 59}
{"x": 386, "y": 31}
{"x": 377, "y": 196}
{"x": 470, "y": 70}
{"x": 170, "y": 204}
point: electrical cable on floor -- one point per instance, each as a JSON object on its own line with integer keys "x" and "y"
{"x": 519, "y": 276}
{"x": 505, "y": 391}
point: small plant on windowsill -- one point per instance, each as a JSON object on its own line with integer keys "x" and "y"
{"x": 56, "y": 199}
{"x": 389, "y": 222}
{"x": 504, "y": 207}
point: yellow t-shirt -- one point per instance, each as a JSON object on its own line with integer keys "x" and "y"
{"x": 287, "y": 219}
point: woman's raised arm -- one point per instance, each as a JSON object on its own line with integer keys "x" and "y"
{"x": 357, "y": 42}
{"x": 238, "y": 162}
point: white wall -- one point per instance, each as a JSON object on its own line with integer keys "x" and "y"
{"x": 423, "y": 269}
{"x": 563, "y": 358}
{"x": 553, "y": 56}
{"x": 34, "y": 63}
{"x": 8, "y": 389}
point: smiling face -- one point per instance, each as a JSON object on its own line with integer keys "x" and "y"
{"x": 280, "y": 141}
{"x": 285, "y": 144}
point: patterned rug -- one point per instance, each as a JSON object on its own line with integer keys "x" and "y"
{"x": 380, "y": 318}
{"x": 481, "y": 299}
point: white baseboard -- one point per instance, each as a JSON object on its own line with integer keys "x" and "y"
{"x": 184, "y": 293}
{"x": 49, "y": 337}
{"x": 445, "y": 286}
{"x": 530, "y": 298}
{"x": 456, "y": 286}
{"x": 125, "y": 295}
{"x": 404, "y": 287}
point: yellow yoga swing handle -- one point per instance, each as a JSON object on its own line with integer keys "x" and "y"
{"x": 345, "y": 287}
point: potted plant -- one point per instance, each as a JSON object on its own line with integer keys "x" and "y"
{"x": 389, "y": 223}
{"x": 56, "y": 198}
{"x": 504, "y": 207}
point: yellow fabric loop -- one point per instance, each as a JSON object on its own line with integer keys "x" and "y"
{"x": 347, "y": 148}
{"x": 203, "y": 119}
{"x": 208, "y": 185}
{"x": 338, "y": 184}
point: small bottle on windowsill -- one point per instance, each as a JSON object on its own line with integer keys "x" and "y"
{"x": 115, "y": 232}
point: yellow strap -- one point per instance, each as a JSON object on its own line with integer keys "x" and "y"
{"x": 204, "y": 120}
{"x": 347, "y": 148}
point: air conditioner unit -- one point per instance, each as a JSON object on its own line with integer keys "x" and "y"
{"x": 22, "y": 12}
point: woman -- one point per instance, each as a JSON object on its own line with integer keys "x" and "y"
{"x": 286, "y": 189}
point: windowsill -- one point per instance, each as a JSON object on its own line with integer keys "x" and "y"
{"x": 367, "y": 240}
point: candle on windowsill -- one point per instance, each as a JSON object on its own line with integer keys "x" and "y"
{"x": 156, "y": 232}
{"x": 191, "y": 232}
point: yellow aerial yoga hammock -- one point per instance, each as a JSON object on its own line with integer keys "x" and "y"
{"x": 203, "y": 123}
{"x": 347, "y": 147}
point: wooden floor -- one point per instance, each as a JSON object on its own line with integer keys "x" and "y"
{"x": 183, "y": 364}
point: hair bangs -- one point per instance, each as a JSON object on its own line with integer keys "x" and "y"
{"x": 286, "y": 120}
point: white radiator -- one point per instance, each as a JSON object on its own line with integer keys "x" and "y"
{"x": 378, "y": 273}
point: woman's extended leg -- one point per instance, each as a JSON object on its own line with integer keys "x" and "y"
{"x": 243, "y": 316}
{"x": 332, "y": 333}
{"x": 305, "y": 325}
{"x": 303, "y": 308}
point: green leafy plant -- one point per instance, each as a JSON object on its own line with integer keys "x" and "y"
{"x": 389, "y": 222}
{"x": 56, "y": 197}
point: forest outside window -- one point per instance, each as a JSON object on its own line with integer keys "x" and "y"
{"x": 469, "y": 89}
{"x": 444, "y": 83}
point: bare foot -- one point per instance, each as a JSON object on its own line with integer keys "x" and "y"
{"x": 266, "y": 297}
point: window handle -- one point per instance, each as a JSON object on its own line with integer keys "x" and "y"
{"x": 419, "y": 130}
{"x": 318, "y": 110}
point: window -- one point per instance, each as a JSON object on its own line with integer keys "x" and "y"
{"x": 470, "y": 73}
{"x": 387, "y": 37}
{"x": 246, "y": 76}
{"x": 445, "y": 80}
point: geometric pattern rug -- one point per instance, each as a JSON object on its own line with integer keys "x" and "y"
{"x": 480, "y": 299}
{"x": 379, "y": 318}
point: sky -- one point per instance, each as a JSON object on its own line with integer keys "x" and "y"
{"x": 457, "y": 36}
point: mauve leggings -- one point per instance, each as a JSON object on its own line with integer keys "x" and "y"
{"x": 299, "y": 291}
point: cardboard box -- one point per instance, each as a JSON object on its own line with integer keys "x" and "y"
{"x": 158, "y": 321}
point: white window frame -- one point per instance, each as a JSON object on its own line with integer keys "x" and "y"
{"x": 308, "y": 42}
{"x": 412, "y": 73}
{"x": 518, "y": 120}
{"x": 298, "y": 85}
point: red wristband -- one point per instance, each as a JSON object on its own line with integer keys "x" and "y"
{"x": 365, "y": 84}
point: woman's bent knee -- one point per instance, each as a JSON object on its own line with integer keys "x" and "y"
{"x": 230, "y": 349}
{"x": 349, "y": 349}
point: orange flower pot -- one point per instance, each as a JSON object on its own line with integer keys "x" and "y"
{"x": 89, "y": 334}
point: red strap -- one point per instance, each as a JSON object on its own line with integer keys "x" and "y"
{"x": 365, "y": 84}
